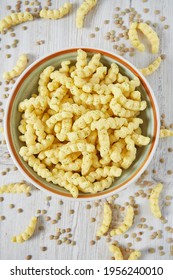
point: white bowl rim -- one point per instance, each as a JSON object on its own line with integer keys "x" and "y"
{"x": 100, "y": 196}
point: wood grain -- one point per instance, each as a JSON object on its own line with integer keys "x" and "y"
{"x": 62, "y": 34}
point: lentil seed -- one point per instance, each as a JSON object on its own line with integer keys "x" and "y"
{"x": 43, "y": 248}
{"x": 29, "y": 257}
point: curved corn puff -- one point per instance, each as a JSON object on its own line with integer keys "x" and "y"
{"x": 151, "y": 36}
{"x": 75, "y": 147}
{"x": 128, "y": 221}
{"x": 56, "y": 14}
{"x": 83, "y": 10}
{"x": 14, "y": 19}
{"x": 17, "y": 69}
{"x": 104, "y": 172}
{"x": 154, "y": 200}
{"x": 152, "y": 67}
{"x": 104, "y": 141}
{"x": 133, "y": 37}
{"x": 165, "y": 133}
{"x": 135, "y": 255}
{"x": 107, "y": 218}
{"x": 15, "y": 188}
{"x": 27, "y": 233}
{"x": 117, "y": 252}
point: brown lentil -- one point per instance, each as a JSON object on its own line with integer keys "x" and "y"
{"x": 29, "y": 257}
{"x": 43, "y": 248}
{"x": 162, "y": 18}
{"x": 157, "y": 12}
{"x": 169, "y": 240}
{"x": 59, "y": 242}
{"x": 88, "y": 206}
{"x": 92, "y": 35}
{"x": 151, "y": 250}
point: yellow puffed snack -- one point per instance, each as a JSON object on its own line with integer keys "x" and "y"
{"x": 17, "y": 69}
{"x": 104, "y": 142}
{"x": 81, "y": 129}
{"x": 165, "y": 133}
{"x": 89, "y": 69}
{"x": 86, "y": 119}
{"x": 133, "y": 37}
{"x": 152, "y": 67}
{"x": 56, "y": 14}
{"x": 75, "y": 147}
{"x": 117, "y": 252}
{"x": 80, "y": 134}
{"x": 57, "y": 118}
{"x": 135, "y": 255}
{"x": 29, "y": 231}
{"x": 83, "y": 10}
{"x": 154, "y": 200}
{"x": 128, "y": 221}
{"x": 14, "y": 19}
{"x": 15, "y": 188}
{"x": 107, "y": 218}
{"x": 44, "y": 80}
{"x": 86, "y": 163}
{"x": 151, "y": 36}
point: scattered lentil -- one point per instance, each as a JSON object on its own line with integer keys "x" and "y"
{"x": 97, "y": 29}
{"x": 71, "y": 211}
{"x": 43, "y": 248}
{"x": 92, "y": 35}
{"x": 54, "y": 221}
{"x": 47, "y": 218}
{"x": 60, "y": 202}
{"x": 157, "y": 12}
{"x": 88, "y": 206}
{"x": 151, "y": 250}
{"x": 59, "y": 242}
{"x": 29, "y": 257}
{"x": 169, "y": 240}
{"x": 162, "y": 18}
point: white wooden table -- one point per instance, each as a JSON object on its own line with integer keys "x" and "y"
{"x": 63, "y": 34}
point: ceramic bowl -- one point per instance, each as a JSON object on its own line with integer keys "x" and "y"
{"x": 28, "y": 84}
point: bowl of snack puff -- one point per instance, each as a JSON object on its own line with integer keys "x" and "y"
{"x": 82, "y": 123}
